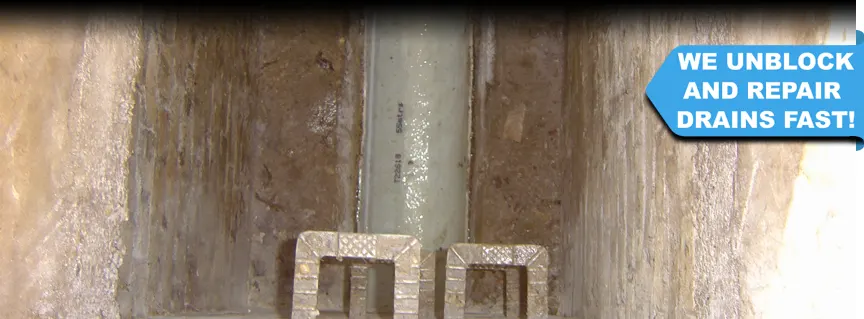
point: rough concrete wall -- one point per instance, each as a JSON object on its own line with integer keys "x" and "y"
{"x": 65, "y": 118}
{"x": 660, "y": 227}
{"x": 191, "y": 225}
{"x": 517, "y": 147}
{"x": 656, "y": 228}
{"x": 241, "y": 142}
{"x": 306, "y": 142}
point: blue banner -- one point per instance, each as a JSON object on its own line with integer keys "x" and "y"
{"x": 765, "y": 91}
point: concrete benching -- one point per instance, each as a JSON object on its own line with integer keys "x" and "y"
{"x": 163, "y": 165}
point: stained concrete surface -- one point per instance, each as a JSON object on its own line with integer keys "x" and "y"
{"x": 518, "y": 149}
{"x": 659, "y": 227}
{"x": 184, "y": 114}
{"x": 162, "y": 165}
{"x": 241, "y": 145}
{"x": 306, "y": 144}
{"x": 191, "y": 226}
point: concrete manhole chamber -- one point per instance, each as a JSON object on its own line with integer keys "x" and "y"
{"x": 164, "y": 165}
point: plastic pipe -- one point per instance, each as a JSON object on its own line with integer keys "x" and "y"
{"x": 416, "y": 130}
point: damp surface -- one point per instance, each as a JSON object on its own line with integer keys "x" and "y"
{"x": 164, "y": 164}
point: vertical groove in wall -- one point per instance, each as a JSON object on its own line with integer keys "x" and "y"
{"x": 368, "y": 89}
{"x": 468, "y": 161}
{"x": 350, "y": 120}
{"x": 484, "y": 57}
{"x": 567, "y": 296}
{"x": 350, "y": 131}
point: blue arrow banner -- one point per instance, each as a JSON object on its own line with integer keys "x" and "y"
{"x": 762, "y": 91}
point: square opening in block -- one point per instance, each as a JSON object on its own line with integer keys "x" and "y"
{"x": 496, "y": 291}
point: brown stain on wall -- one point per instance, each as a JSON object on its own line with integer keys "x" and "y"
{"x": 517, "y": 146}
{"x": 306, "y": 141}
{"x": 245, "y": 140}
{"x": 192, "y": 160}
